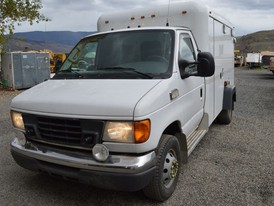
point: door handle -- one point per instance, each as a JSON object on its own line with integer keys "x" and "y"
{"x": 222, "y": 73}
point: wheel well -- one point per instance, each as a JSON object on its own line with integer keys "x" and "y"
{"x": 175, "y": 130}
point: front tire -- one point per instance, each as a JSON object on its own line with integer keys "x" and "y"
{"x": 167, "y": 170}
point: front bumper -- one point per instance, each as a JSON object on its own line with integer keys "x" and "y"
{"x": 119, "y": 172}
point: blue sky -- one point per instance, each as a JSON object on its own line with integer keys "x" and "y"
{"x": 247, "y": 16}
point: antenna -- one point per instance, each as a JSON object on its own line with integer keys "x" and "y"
{"x": 167, "y": 23}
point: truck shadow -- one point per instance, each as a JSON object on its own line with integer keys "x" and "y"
{"x": 57, "y": 191}
{"x": 267, "y": 77}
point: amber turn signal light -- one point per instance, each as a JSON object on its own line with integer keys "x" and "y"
{"x": 141, "y": 131}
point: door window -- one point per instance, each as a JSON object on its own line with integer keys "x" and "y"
{"x": 186, "y": 52}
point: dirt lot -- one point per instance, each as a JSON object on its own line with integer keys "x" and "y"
{"x": 232, "y": 165}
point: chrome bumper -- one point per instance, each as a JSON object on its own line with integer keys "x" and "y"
{"x": 84, "y": 160}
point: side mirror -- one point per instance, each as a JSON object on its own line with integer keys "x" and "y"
{"x": 206, "y": 64}
{"x": 186, "y": 67}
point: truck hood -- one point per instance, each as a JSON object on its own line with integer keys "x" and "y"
{"x": 112, "y": 98}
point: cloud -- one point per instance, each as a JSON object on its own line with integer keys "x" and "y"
{"x": 249, "y": 21}
{"x": 247, "y": 15}
{"x": 242, "y": 4}
{"x": 250, "y": 4}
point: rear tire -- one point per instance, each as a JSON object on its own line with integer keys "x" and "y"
{"x": 167, "y": 170}
{"x": 225, "y": 117}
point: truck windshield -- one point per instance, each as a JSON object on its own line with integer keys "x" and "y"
{"x": 145, "y": 54}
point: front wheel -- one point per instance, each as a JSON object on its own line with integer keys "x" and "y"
{"x": 167, "y": 170}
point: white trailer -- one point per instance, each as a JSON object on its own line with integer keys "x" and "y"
{"x": 131, "y": 102}
{"x": 254, "y": 59}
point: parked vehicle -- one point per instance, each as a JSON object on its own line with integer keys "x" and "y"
{"x": 254, "y": 59}
{"x": 266, "y": 58}
{"x": 238, "y": 59}
{"x": 131, "y": 102}
{"x": 271, "y": 66}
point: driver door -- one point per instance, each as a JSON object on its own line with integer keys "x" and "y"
{"x": 192, "y": 88}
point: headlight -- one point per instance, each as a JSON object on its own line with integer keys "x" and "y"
{"x": 17, "y": 120}
{"x": 118, "y": 131}
{"x": 130, "y": 132}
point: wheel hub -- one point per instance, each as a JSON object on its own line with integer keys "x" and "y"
{"x": 170, "y": 169}
{"x": 174, "y": 168}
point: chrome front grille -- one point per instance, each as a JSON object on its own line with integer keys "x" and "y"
{"x": 60, "y": 130}
{"x": 63, "y": 131}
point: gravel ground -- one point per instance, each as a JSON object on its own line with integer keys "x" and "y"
{"x": 232, "y": 165}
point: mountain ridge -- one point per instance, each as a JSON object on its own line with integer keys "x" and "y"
{"x": 63, "y": 37}
{"x": 56, "y": 41}
{"x": 256, "y": 42}
{"x": 64, "y": 41}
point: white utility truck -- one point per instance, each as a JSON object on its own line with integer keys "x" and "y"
{"x": 131, "y": 102}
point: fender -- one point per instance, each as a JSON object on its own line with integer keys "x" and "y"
{"x": 229, "y": 97}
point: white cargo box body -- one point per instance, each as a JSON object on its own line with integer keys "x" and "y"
{"x": 22, "y": 70}
{"x": 198, "y": 18}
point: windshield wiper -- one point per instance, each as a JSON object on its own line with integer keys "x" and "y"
{"x": 80, "y": 76}
{"x": 127, "y": 69}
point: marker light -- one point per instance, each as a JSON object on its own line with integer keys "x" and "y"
{"x": 226, "y": 83}
{"x": 17, "y": 120}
